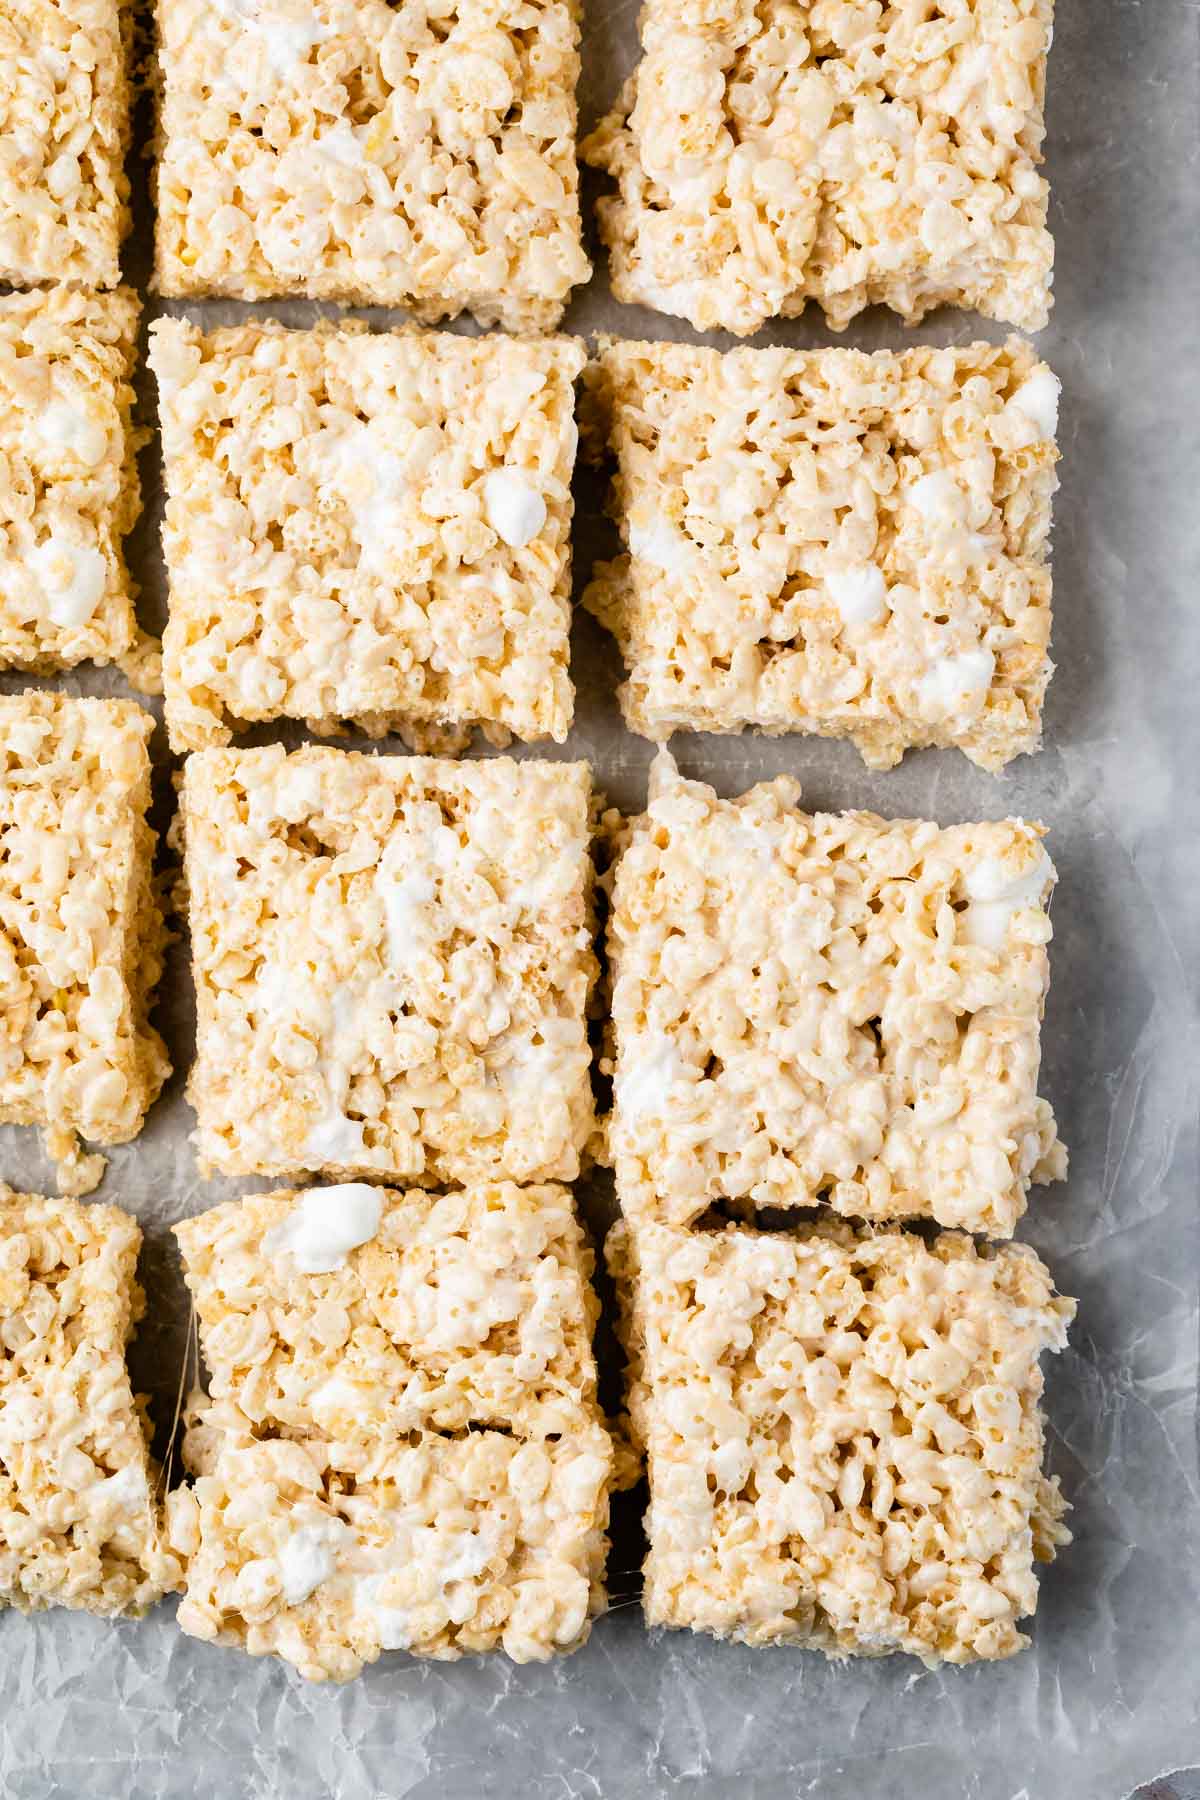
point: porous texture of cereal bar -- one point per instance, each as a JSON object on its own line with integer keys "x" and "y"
{"x": 843, "y": 1435}
{"x": 392, "y": 959}
{"x": 419, "y": 156}
{"x": 769, "y": 154}
{"x": 402, "y": 1450}
{"x": 471, "y": 1307}
{"x": 830, "y": 1007}
{"x": 81, "y": 930}
{"x": 832, "y": 542}
{"x": 79, "y": 1515}
{"x": 68, "y": 480}
{"x": 455, "y": 1545}
{"x": 64, "y": 131}
{"x": 366, "y": 526}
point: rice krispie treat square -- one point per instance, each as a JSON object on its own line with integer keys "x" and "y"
{"x": 363, "y": 1313}
{"x": 451, "y": 1545}
{"x": 401, "y": 1447}
{"x": 68, "y": 480}
{"x": 843, "y": 1435}
{"x": 827, "y": 1008}
{"x": 418, "y": 155}
{"x": 81, "y": 930}
{"x": 64, "y": 131}
{"x": 833, "y": 542}
{"x": 366, "y": 526}
{"x": 79, "y": 1516}
{"x": 768, "y": 153}
{"x": 392, "y": 958}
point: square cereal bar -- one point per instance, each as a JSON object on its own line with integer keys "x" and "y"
{"x": 843, "y": 1435}
{"x": 79, "y": 1518}
{"x": 453, "y": 1545}
{"x": 419, "y": 156}
{"x": 830, "y": 1007}
{"x": 81, "y": 932}
{"x": 832, "y": 542}
{"x": 392, "y": 959}
{"x": 364, "y": 1313}
{"x": 366, "y": 526}
{"x": 402, "y": 1448}
{"x": 768, "y": 153}
{"x": 64, "y": 131}
{"x": 68, "y": 480}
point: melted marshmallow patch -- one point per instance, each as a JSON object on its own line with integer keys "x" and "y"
{"x": 307, "y": 1558}
{"x": 661, "y": 545}
{"x": 938, "y": 498}
{"x": 325, "y": 1224}
{"x": 996, "y": 895}
{"x": 1037, "y": 400}
{"x": 287, "y": 37}
{"x": 66, "y": 429}
{"x": 336, "y": 1139}
{"x": 859, "y": 593}
{"x": 515, "y": 511}
{"x": 956, "y": 684}
{"x": 643, "y": 1085}
{"x": 72, "y": 577}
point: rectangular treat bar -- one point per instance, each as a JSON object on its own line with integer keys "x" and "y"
{"x": 830, "y": 1007}
{"x": 768, "y": 153}
{"x": 379, "y": 155}
{"x": 365, "y": 1313}
{"x": 366, "y": 526}
{"x": 843, "y": 1434}
{"x": 79, "y": 1514}
{"x": 402, "y": 1449}
{"x": 68, "y": 480}
{"x": 81, "y": 931}
{"x": 64, "y": 131}
{"x": 833, "y": 542}
{"x": 392, "y": 959}
{"x": 455, "y": 1545}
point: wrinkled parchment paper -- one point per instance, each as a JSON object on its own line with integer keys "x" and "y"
{"x": 1108, "y": 1695}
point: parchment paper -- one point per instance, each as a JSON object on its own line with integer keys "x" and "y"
{"x": 1108, "y": 1696}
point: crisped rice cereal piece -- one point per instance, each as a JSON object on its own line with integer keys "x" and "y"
{"x": 366, "y": 526}
{"x": 79, "y": 1519}
{"x": 768, "y": 153}
{"x": 81, "y": 931}
{"x": 363, "y": 1313}
{"x": 392, "y": 959}
{"x": 833, "y": 542}
{"x": 64, "y": 131}
{"x": 843, "y": 1435}
{"x": 832, "y": 1008}
{"x": 419, "y": 156}
{"x": 450, "y": 1546}
{"x": 68, "y": 480}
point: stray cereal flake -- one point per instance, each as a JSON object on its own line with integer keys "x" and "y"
{"x": 366, "y": 526}
{"x": 833, "y": 542}
{"x": 843, "y": 1435}
{"x": 79, "y": 1518}
{"x": 769, "y": 153}
{"x": 393, "y": 959}
{"x": 828, "y": 1007}
{"x": 81, "y": 932}
{"x": 419, "y": 156}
